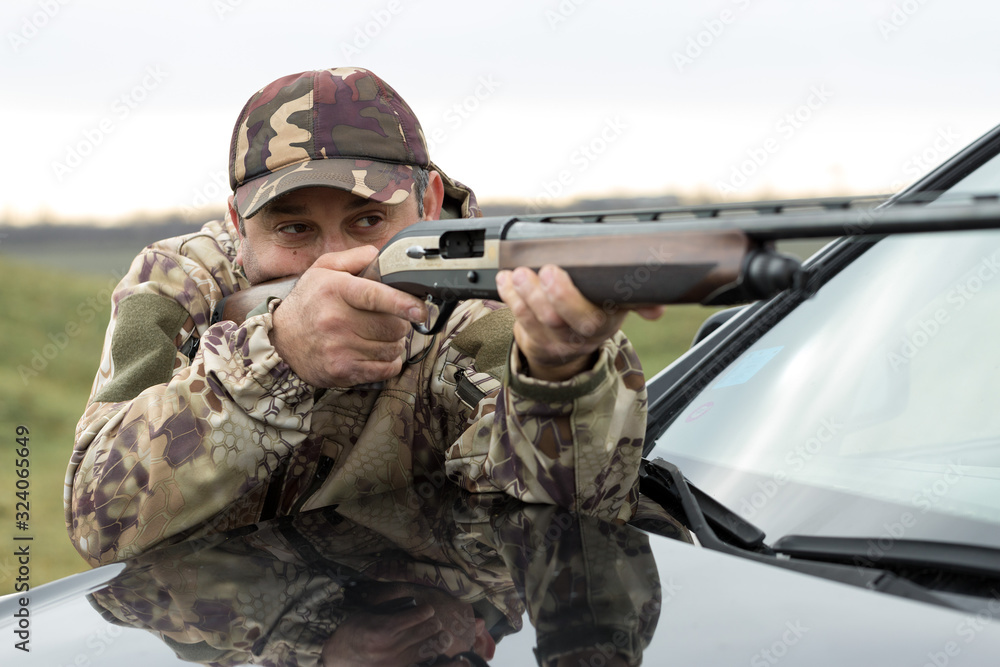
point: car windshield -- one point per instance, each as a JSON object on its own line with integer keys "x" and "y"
{"x": 869, "y": 410}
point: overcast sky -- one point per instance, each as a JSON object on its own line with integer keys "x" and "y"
{"x": 116, "y": 107}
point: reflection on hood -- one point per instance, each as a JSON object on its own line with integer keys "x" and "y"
{"x": 274, "y": 593}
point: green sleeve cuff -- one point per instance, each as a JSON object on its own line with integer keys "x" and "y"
{"x": 264, "y": 307}
{"x": 543, "y": 391}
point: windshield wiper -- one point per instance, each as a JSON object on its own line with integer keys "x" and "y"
{"x": 711, "y": 521}
{"x": 720, "y": 529}
{"x": 868, "y": 552}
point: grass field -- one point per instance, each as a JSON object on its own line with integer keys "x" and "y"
{"x": 52, "y": 332}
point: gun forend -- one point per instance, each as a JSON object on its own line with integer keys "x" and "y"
{"x": 633, "y": 263}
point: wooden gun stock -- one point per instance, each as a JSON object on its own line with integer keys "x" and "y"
{"x": 238, "y": 305}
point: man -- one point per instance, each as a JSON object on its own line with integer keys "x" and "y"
{"x": 198, "y": 424}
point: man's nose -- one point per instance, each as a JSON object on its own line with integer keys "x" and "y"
{"x": 334, "y": 242}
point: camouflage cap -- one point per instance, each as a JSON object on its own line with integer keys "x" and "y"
{"x": 344, "y": 128}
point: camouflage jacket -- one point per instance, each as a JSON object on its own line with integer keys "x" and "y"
{"x": 177, "y": 443}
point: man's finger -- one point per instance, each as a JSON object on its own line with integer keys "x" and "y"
{"x": 371, "y": 328}
{"x": 570, "y": 306}
{"x": 406, "y": 636}
{"x": 425, "y": 646}
{"x": 651, "y": 312}
{"x": 352, "y": 261}
{"x": 408, "y": 618}
{"x": 509, "y": 295}
{"x": 373, "y": 297}
{"x": 529, "y": 287}
{"x": 380, "y": 351}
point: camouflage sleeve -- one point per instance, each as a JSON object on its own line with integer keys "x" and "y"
{"x": 167, "y": 442}
{"x": 576, "y": 444}
{"x": 590, "y": 587}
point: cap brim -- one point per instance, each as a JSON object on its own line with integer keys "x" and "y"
{"x": 379, "y": 181}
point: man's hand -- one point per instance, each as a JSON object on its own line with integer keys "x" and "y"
{"x": 386, "y": 640}
{"x": 556, "y": 328}
{"x": 338, "y": 330}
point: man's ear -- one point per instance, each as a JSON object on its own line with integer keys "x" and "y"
{"x": 234, "y": 217}
{"x": 234, "y": 220}
{"x": 433, "y": 196}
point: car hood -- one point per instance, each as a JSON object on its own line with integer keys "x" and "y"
{"x": 543, "y": 579}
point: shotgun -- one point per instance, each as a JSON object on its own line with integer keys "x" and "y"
{"x": 714, "y": 255}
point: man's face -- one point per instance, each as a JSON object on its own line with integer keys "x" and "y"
{"x": 291, "y": 232}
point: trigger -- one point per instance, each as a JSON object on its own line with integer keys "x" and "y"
{"x": 445, "y": 309}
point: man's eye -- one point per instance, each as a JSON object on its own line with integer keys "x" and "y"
{"x": 368, "y": 221}
{"x": 294, "y": 228}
